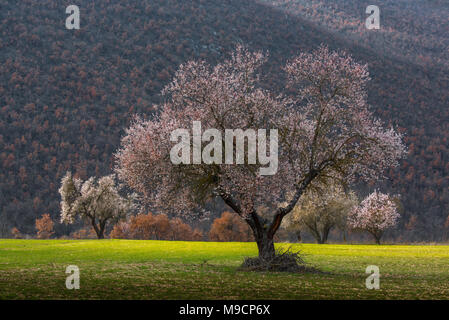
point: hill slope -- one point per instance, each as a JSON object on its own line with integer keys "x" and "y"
{"x": 66, "y": 96}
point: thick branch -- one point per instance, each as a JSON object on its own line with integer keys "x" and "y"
{"x": 282, "y": 212}
{"x": 252, "y": 219}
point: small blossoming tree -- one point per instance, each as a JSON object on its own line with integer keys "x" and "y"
{"x": 326, "y": 132}
{"x": 320, "y": 209}
{"x": 96, "y": 200}
{"x": 375, "y": 214}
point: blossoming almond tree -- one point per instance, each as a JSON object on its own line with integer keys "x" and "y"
{"x": 376, "y": 213}
{"x": 326, "y": 132}
{"x": 97, "y": 200}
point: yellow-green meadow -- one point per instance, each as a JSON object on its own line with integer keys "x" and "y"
{"x": 134, "y": 269}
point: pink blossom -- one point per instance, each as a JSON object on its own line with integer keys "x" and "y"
{"x": 326, "y": 132}
{"x": 376, "y": 213}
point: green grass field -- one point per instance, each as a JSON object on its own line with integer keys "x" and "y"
{"x": 131, "y": 269}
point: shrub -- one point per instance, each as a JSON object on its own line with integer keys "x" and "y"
{"x": 230, "y": 227}
{"x": 16, "y": 233}
{"x": 197, "y": 235}
{"x": 179, "y": 230}
{"x": 84, "y": 233}
{"x": 120, "y": 231}
{"x": 149, "y": 226}
{"x": 155, "y": 227}
{"x": 44, "y": 227}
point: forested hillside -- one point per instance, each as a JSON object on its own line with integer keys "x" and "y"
{"x": 410, "y": 30}
{"x": 66, "y": 96}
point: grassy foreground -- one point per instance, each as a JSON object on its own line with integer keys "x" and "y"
{"x": 131, "y": 269}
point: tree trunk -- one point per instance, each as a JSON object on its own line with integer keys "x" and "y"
{"x": 265, "y": 244}
{"x": 377, "y": 236}
{"x": 102, "y": 228}
{"x": 325, "y": 234}
{"x": 98, "y": 230}
{"x": 264, "y": 236}
{"x": 298, "y": 236}
{"x": 377, "y": 239}
{"x": 321, "y": 238}
{"x": 316, "y": 235}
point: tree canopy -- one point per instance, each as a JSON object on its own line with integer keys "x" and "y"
{"x": 326, "y": 133}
